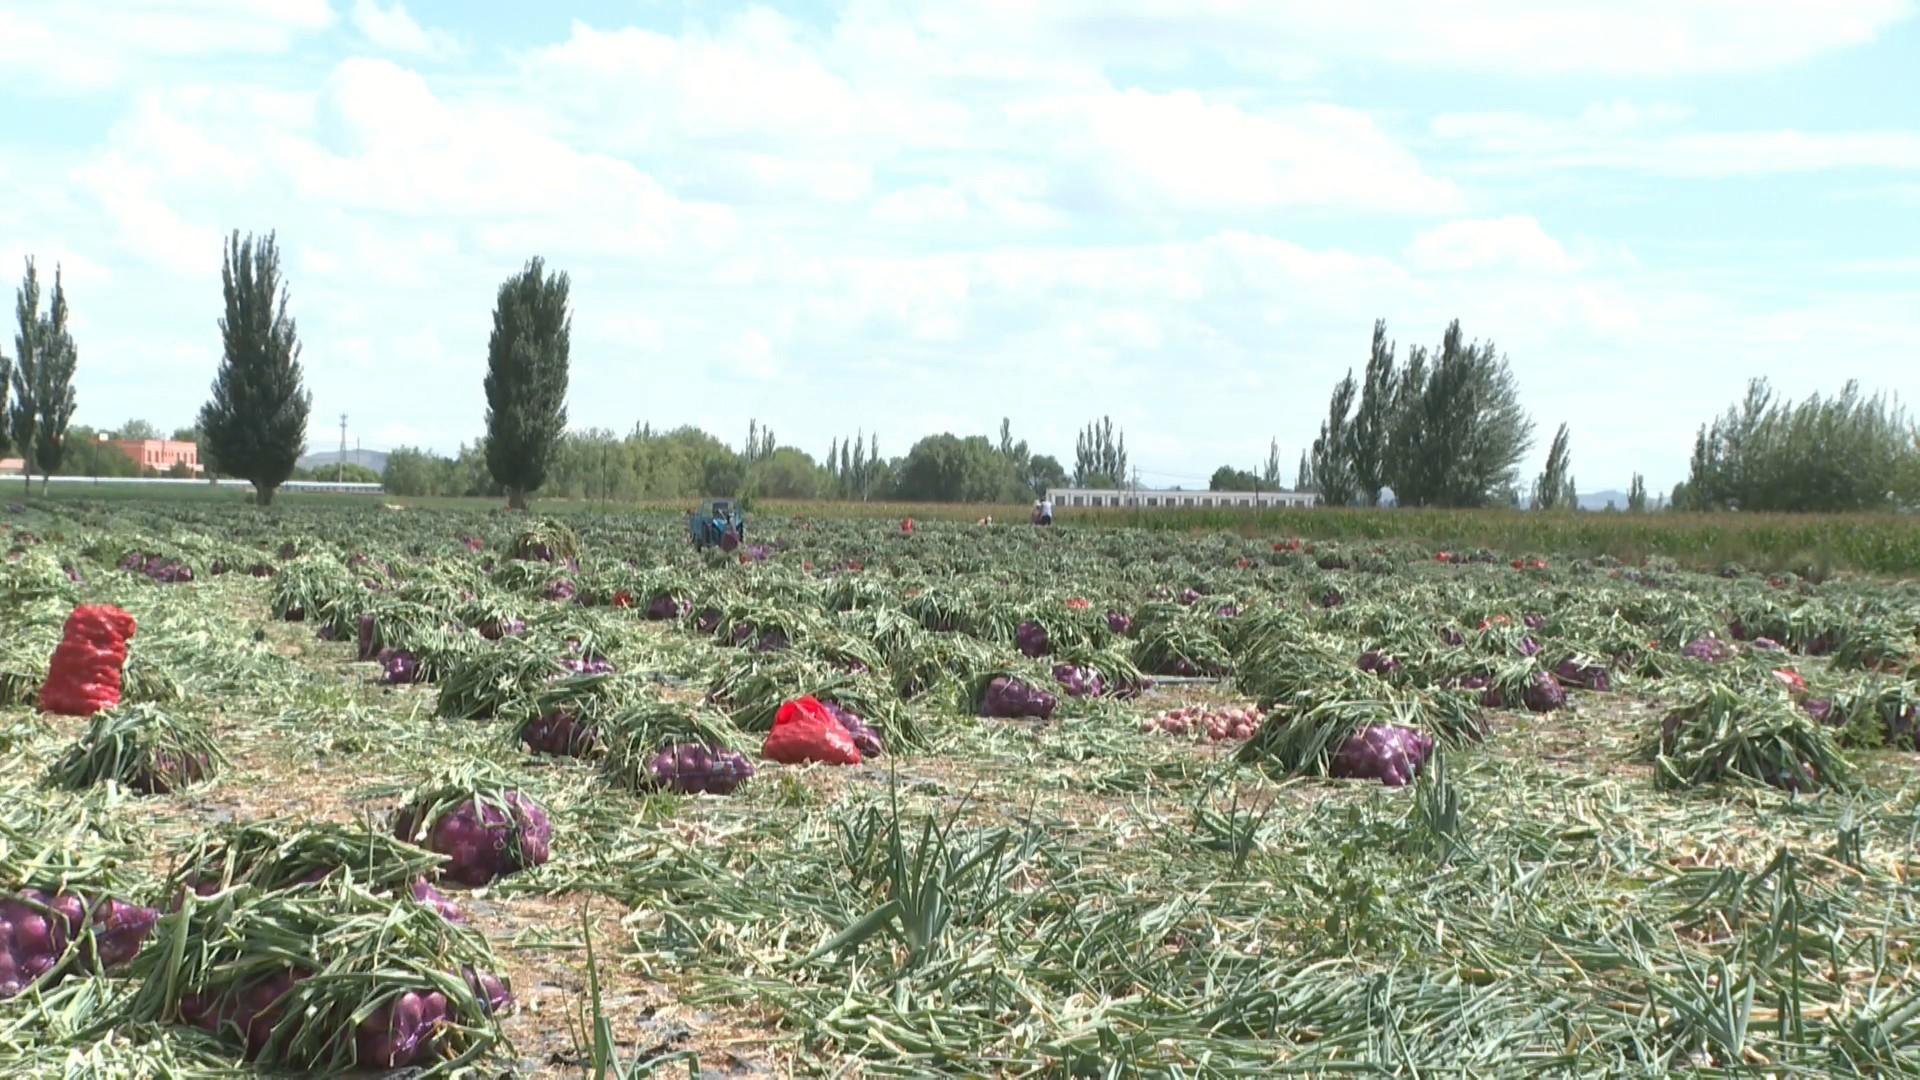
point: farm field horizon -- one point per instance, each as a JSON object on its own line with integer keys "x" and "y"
{"x": 1158, "y": 801}
{"x": 1886, "y": 544}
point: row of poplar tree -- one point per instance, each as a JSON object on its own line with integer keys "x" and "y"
{"x": 1445, "y": 428}
{"x": 254, "y": 424}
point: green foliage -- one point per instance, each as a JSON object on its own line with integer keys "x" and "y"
{"x": 1099, "y": 458}
{"x": 1367, "y": 438}
{"x": 53, "y": 389}
{"x": 1270, "y": 473}
{"x": 87, "y": 455}
{"x": 1843, "y": 453}
{"x": 346, "y": 473}
{"x": 1460, "y": 432}
{"x": 946, "y": 468}
{"x": 786, "y": 473}
{"x": 1228, "y": 478}
{"x": 23, "y": 414}
{"x": 1552, "y": 488}
{"x": 526, "y": 379}
{"x": 1637, "y": 495}
{"x": 1332, "y": 451}
{"x": 1044, "y": 471}
{"x": 256, "y": 422}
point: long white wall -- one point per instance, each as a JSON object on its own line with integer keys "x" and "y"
{"x": 1089, "y": 498}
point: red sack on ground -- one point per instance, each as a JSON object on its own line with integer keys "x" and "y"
{"x": 803, "y": 731}
{"x": 84, "y": 677}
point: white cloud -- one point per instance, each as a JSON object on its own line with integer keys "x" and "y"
{"x": 929, "y": 217}
{"x": 395, "y": 30}
{"x": 1182, "y": 149}
{"x": 1516, "y": 242}
{"x": 86, "y": 47}
{"x": 1651, "y": 140}
{"x": 1520, "y": 37}
{"x": 147, "y": 224}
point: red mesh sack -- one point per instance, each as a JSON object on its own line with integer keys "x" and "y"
{"x": 804, "y": 731}
{"x": 84, "y": 677}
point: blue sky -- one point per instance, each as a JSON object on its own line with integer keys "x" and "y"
{"x": 914, "y": 216}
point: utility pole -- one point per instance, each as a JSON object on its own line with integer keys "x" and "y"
{"x": 340, "y": 467}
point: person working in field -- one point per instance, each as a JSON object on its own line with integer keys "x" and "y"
{"x": 1046, "y": 510}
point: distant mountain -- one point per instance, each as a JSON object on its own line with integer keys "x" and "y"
{"x": 1598, "y": 500}
{"x": 372, "y": 459}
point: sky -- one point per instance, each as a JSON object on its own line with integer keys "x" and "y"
{"x": 909, "y": 216}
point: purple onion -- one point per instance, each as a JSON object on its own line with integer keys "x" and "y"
{"x": 1544, "y": 693}
{"x": 253, "y": 1007}
{"x": 1529, "y": 647}
{"x": 691, "y": 769}
{"x": 402, "y": 1031}
{"x": 1452, "y": 637}
{"x": 495, "y": 995}
{"x": 1711, "y": 650}
{"x": 1821, "y": 709}
{"x": 484, "y": 843}
{"x": 399, "y": 667}
{"x": 560, "y": 589}
{"x": 424, "y": 893}
{"x": 1378, "y": 663}
{"x": 865, "y": 739}
{"x": 585, "y": 666}
{"x": 560, "y": 733}
{"x": 1592, "y": 677}
{"x": 1189, "y": 597}
{"x": 665, "y": 607}
{"x": 1031, "y": 639}
{"x": 1490, "y": 695}
{"x": 1008, "y": 698}
{"x": 1118, "y": 623}
{"x": 1388, "y": 753}
{"x": 1080, "y": 682}
{"x": 36, "y": 929}
{"x": 1767, "y": 645}
{"x": 1533, "y": 622}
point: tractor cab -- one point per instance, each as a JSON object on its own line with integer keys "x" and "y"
{"x": 720, "y": 524}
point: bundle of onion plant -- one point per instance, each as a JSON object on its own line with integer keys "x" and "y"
{"x": 1757, "y": 736}
{"x": 281, "y": 854}
{"x": 1308, "y": 733}
{"x": 141, "y": 747}
{"x": 545, "y": 540}
{"x": 475, "y": 816}
{"x": 328, "y": 980}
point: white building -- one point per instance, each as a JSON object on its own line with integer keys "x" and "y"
{"x": 1095, "y": 498}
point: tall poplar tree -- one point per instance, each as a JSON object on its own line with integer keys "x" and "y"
{"x": 526, "y": 380}
{"x": 1371, "y": 430}
{"x": 1332, "y": 463}
{"x": 23, "y": 414}
{"x": 53, "y": 390}
{"x": 256, "y": 422}
{"x": 1550, "y": 489}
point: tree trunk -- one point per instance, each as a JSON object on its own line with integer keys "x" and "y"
{"x": 516, "y": 499}
{"x": 262, "y": 496}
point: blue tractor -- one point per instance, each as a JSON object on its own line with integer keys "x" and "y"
{"x": 720, "y": 525}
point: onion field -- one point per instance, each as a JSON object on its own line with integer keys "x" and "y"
{"x": 470, "y": 793}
